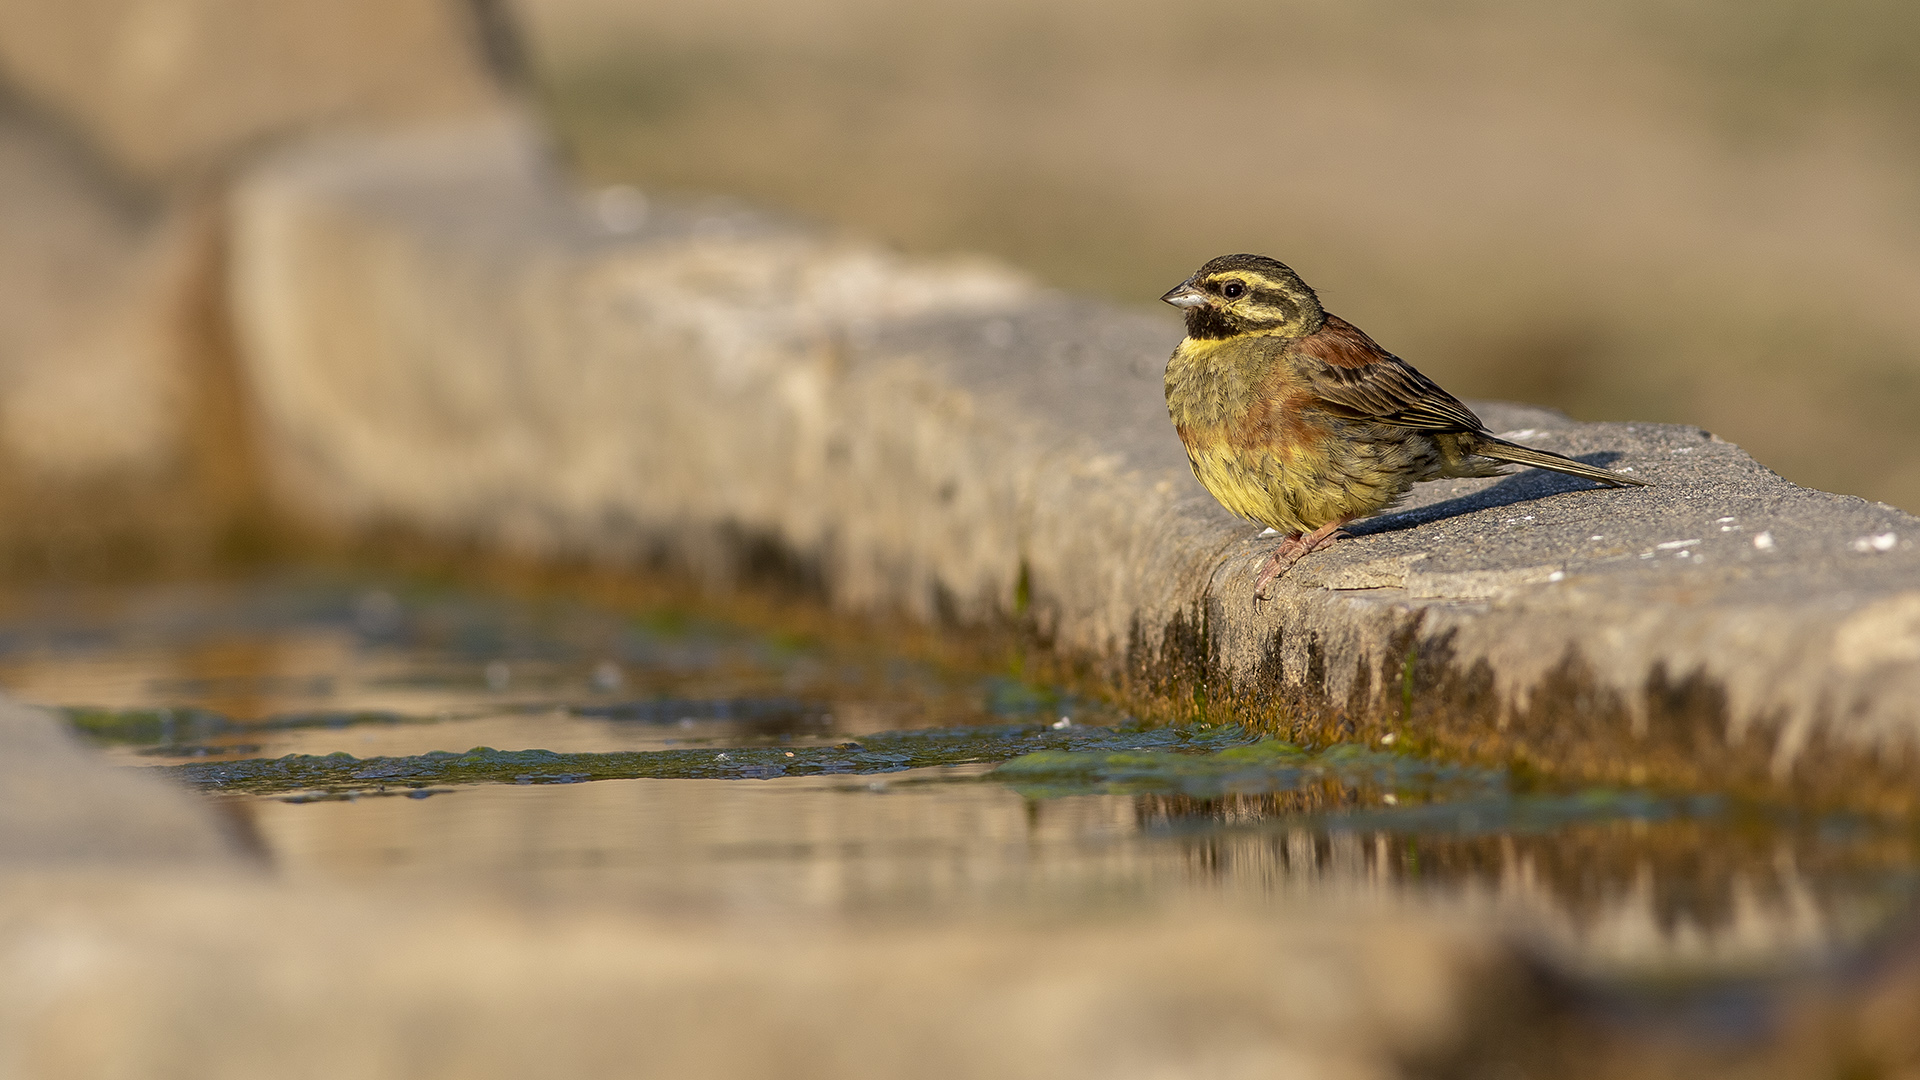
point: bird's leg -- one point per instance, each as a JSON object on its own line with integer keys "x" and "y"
{"x": 1291, "y": 550}
{"x": 1324, "y": 536}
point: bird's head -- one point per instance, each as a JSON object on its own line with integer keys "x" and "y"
{"x": 1247, "y": 294}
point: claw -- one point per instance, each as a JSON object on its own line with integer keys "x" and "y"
{"x": 1279, "y": 561}
{"x": 1292, "y": 550}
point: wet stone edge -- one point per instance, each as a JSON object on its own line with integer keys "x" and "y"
{"x": 1422, "y": 698}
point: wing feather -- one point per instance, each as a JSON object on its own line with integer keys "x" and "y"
{"x": 1355, "y": 378}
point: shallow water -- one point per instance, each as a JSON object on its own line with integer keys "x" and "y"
{"x": 551, "y": 751}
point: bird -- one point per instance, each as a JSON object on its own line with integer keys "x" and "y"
{"x": 1294, "y": 418}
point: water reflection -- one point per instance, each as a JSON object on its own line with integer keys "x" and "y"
{"x": 1722, "y": 889}
{"x": 1615, "y": 879}
{"x": 1610, "y": 895}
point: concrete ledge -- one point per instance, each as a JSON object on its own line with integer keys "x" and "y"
{"x": 122, "y": 447}
{"x": 165, "y": 976}
{"x": 64, "y": 808}
{"x": 438, "y": 334}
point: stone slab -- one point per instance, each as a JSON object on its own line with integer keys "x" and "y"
{"x": 123, "y": 444}
{"x": 166, "y": 976}
{"x": 62, "y": 807}
{"x": 440, "y": 334}
{"x": 90, "y": 371}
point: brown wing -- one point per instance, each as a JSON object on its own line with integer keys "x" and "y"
{"x": 1355, "y": 378}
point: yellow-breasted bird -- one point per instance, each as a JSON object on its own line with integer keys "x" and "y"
{"x": 1294, "y": 418}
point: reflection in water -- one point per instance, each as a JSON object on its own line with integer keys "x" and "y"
{"x": 232, "y": 678}
{"x": 1718, "y": 889}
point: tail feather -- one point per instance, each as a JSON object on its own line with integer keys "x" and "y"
{"x": 1502, "y": 450}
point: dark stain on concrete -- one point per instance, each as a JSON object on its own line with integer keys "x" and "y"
{"x": 760, "y": 560}
{"x": 1572, "y": 728}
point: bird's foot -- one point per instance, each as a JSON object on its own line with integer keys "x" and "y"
{"x": 1292, "y": 550}
{"x": 1279, "y": 561}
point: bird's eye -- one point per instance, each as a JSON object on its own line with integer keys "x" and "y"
{"x": 1233, "y": 290}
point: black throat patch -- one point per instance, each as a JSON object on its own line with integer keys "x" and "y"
{"x": 1209, "y": 323}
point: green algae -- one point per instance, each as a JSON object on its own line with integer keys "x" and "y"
{"x": 1370, "y": 788}
{"x": 884, "y": 752}
{"x": 187, "y": 727}
{"x": 1257, "y": 767}
{"x": 1366, "y": 789}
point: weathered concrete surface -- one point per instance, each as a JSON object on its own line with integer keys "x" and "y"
{"x": 123, "y": 444}
{"x": 1722, "y": 626}
{"x": 438, "y": 335}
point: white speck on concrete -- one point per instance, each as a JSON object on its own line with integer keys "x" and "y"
{"x": 1063, "y": 723}
{"x": 1269, "y": 532}
{"x": 1671, "y": 544}
{"x": 1763, "y": 541}
{"x": 1557, "y": 575}
{"x": 1883, "y": 542}
{"x": 1723, "y": 521}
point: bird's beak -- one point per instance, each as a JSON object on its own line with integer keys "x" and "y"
{"x": 1184, "y": 295}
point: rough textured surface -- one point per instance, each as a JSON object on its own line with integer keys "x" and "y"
{"x": 438, "y": 335}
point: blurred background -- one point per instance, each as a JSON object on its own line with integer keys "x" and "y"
{"x": 1702, "y": 212}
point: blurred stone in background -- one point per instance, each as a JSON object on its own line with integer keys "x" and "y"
{"x": 122, "y": 428}
{"x": 135, "y": 77}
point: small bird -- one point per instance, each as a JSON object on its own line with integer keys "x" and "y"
{"x": 1292, "y": 417}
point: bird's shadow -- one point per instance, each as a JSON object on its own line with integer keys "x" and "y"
{"x": 1523, "y": 486}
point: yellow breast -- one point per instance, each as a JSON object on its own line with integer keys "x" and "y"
{"x": 1255, "y": 445}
